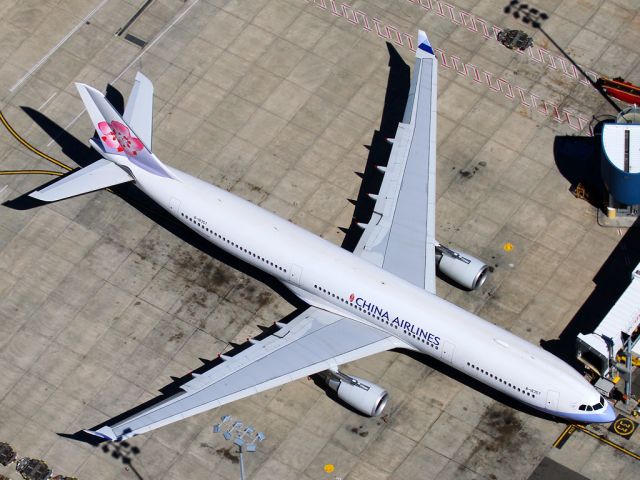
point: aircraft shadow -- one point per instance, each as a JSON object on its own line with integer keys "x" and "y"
{"x": 398, "y": 83}
{"x": 471, "y": 382}
{"x": 83, "y": 155}
{"x": 611, "y": 280}
{"x": 395, "y": 100}
{"x": 578, "y": 160}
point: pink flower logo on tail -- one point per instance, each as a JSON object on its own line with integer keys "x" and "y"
{"x": 128, "y": 142}
{"x": 108, "y": 137}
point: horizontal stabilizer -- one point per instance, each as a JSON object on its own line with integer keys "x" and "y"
{"x": 96, "y": 176}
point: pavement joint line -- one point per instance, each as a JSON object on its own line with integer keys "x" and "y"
{"x": 603, "y": 439}
{"x": 33, "y": 149}
{"x": 527, "y": 99}
{"x": 156, "y": 39}
{"x": 40, "y": 62}
{"x": 566, "y": 433}
{"x": 73, "y": 120}
{"x": 135, "y": 16}
{"x": 46, "y": 102}
{"x": 138, "y": 57}
{"x": 537, "y": 54}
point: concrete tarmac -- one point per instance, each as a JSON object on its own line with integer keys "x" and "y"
{"x": 277, "y": 101}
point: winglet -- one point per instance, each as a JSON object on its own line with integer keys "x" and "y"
{"x": 423, "y": 45}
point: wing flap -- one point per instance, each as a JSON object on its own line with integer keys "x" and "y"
{"x": 315, "y": 341}
{"x": 98, "y": 175}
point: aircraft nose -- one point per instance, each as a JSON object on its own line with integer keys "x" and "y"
{"x": 608, "y": 416}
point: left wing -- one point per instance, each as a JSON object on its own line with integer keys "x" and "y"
{"x": 400, "y": 237}
{"x": 314, "y": 341}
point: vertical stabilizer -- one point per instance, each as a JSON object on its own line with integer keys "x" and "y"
{"x": 117, "y": 135}
{"x": 139, "y": 110}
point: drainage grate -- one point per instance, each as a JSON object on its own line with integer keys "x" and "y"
{"x": 135, "y": 40}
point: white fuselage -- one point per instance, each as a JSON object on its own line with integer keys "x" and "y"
{"x": 329, "y": 277}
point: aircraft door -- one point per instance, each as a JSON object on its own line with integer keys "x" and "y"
{"x": 295, "y": 272}
{"x": 552, "y": 400}
{"x": 174, "y": 206}
{"x": 447, "y": 351}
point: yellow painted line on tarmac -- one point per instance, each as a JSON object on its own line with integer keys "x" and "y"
{"x": 564, "y": 436}
{"x": 620, "y": 448}
{"x": 33, "y": 149}
{"x": 30, "y": 172}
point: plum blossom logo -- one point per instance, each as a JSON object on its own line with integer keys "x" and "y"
{"x": 128, "y": 142}
{"x": 352, "y": 297}
{"x": 108, "y": 137}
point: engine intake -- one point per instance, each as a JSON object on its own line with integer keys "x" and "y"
{"x": 364, "y": 396}
{"x": 461, "y": 267}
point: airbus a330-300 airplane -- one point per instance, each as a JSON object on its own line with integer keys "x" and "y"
{"x": 380, "y": 297}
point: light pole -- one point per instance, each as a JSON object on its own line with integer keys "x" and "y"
{"x": 534, "y": 17}
{"x": 245, "y": 438}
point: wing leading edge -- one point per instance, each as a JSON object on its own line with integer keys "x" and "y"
{"x": 400, "y": 237}
{"x": 314, "y": 341}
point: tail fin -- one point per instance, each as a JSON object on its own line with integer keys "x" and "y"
{"x": 139, "y": 110}
{"x": 117, "y": 136}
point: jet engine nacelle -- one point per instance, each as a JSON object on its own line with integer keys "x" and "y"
{"x": 364, "y": 396}
{"x": 461, "y": 267}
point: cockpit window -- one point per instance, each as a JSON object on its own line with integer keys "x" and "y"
{"x": 591, "y": 408}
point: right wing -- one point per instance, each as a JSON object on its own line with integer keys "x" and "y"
{"x": 400, "y": 237}
{"x": 314, "y": 341}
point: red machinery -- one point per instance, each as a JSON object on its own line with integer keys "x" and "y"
{"x": 618, "y": 88}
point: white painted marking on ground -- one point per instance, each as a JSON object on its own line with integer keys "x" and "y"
{"x": 155, "y": 40}
{"x": 47, "y": 101}
{"x": 144, "y": 50}
{"x": 37, "y": 65}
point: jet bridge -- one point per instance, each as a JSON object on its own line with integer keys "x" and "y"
{"x": 598, "y": 350}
